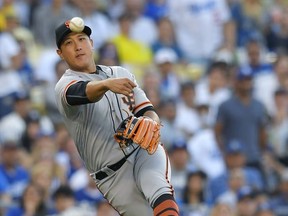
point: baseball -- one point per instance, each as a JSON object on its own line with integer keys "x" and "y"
{"x": 76, "y": 24}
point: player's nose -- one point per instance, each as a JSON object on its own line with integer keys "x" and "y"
{"x": 78, "y": 46}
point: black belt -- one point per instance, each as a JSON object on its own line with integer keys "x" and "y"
{"x": 114, "y": 167}
{"x": 101, "y": 174}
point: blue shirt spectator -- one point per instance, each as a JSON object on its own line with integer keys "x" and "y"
{"x": 243, "y": 118}
{"x": 156, "y": 9}
{"x": 16, "y": 175}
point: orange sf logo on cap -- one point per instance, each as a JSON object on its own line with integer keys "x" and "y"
{"x": 67, "y": 24}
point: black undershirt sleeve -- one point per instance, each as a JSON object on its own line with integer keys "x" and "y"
{"x": 76, "y": 94}
{"x": 142, "y": 111}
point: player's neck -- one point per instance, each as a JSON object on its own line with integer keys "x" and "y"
{"x": 90, "y": 69}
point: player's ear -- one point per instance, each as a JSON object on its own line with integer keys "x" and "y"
{"x": 59, "y": 52}
{"x": 92, "y": 43}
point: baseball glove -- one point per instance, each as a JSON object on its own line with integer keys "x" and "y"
{"x": 143, "y": 131}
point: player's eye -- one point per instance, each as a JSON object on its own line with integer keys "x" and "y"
{"x": 67, "y": 42}
{"x": 82, "y": 38}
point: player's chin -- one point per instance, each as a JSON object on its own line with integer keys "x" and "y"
{"x": 80, "y": 66}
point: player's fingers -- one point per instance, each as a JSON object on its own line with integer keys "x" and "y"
{"x": 127, "y": 93}
{"x": 131, "y": 83}
{"x": 128, "y": 86}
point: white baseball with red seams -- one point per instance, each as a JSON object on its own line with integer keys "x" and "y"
{"x": 76, "y": 24}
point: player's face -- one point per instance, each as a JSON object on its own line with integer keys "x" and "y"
{"x": 77, "y": 51}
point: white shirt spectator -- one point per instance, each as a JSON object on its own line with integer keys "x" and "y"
{"x": 187, "y": 119}
{"x": 264, "y": 87}
{"x": 12, "y": 127}
{"x": 205, "y": 154}
{"x": 199, "y": 28}
{"x": 204, "y": 96}
{"x": 9, "y": 78}
{"x": 45, "y": 70}
{"x": 102, "y": 28}
{"x": 141, "y": 25}
{"x": 138, "y": 29}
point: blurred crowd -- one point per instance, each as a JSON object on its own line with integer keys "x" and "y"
{"x": 216, "y": 72}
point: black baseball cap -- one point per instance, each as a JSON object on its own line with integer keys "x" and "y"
{"x": 63, "y": 30}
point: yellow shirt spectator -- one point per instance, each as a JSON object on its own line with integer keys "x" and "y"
{"x": 131, "y": 51}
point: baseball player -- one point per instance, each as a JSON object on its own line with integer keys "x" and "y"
{"x": 94, "y": 100}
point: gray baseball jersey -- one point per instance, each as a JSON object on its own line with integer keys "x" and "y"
{"x": 92, "y": 126}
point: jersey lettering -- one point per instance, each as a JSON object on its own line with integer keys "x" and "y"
{"x": 129, "y": 101}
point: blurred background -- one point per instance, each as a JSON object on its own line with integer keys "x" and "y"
{"x": 216, "y": 72}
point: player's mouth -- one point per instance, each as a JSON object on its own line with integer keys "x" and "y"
{"x": 80, "y": 55}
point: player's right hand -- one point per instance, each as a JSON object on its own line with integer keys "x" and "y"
{"x": 120, "y": 85}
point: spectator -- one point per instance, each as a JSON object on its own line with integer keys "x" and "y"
{"x": 5, "y": 199}
{"x": 32, "y": 130}
{"x": 43, "y": 178}
{"x": 25, "y": 40}
{"x": 43, "y": 155}
{"x": 31, "y": 203}
{"x": 222, "y": 209}
{"x": 276, "y": 36}
{"x": 265, "y": 210}
{"x": 235, "y": 158}
{"x": 50, "y": 102}
{"x": 114, "y": 8}
{"x": 179, "y": 158}
{"x": 205, "y": 154}
{"x": 43, "y": 28}
{"x": 89, "y": 195}
{"x": 246, "y": 204}
{"x": 250, "y": 18}
{"x": 12, "y": 126}
{"x": 244, "y": 118}
{"x": 45, "y": 69}
{"x": 127, "y": 47}
{"x": 280, "y": 200}
{"x": 14, "y": 173}
{"x": 187, "y": 118}
{"x": 200, "y": 20}
{"x": 16, "y": 7}
{"x": 108, "y": 54}
{"x": 266, "y": 84}
{"x": 213, "y": 88}
{"x": 65, "y": 203}
{"x": 166, "y": 37}
{"x": 165, "y": 60}
{"x": 169, "y": 132}
{"x": 278, "y": 134}
{"x": 140, "y": 23}
{"x": 156, "y": 9}
{"x": 257, "y": 60}
{"x": 151, "y": 86}
{"x": 10, "y": 61}
{"x": 99, "y": 22}
{"x": 236, "y": 180}
{"x": 272, "y": 169}
{"x": 194, "y": 198}
{"x": 75, "y": 171}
